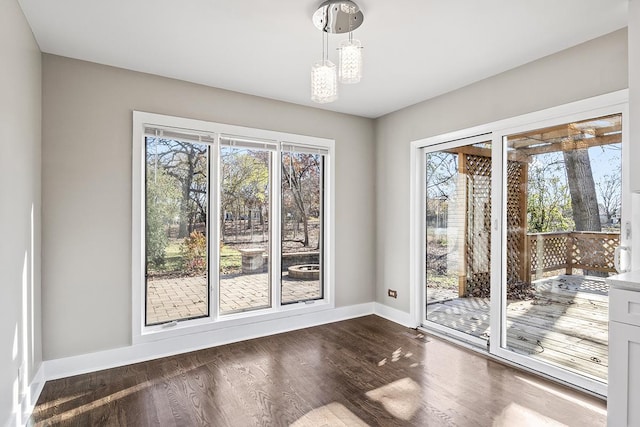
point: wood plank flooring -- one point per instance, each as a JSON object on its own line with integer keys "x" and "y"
{"x": 364, "y": 371}
{"x": 567, "y": 325}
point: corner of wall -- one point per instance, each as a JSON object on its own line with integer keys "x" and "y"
{"x": 20, "y": 185}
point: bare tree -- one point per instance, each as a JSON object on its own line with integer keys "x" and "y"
{"x": 610, "y": 192}
{"x": 301, "y": 174}
{"x": 442, "y": 169}
{"x": 245, "y": 184}
{"x": 548, "y": 200}
{"x": 187, "y": 163}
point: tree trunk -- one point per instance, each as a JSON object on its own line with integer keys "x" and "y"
{"x": 584, "y": 202}
{"x": 183, "y": 230}
{"x": 583, "y": 190}
{"x": 185, "y": 220}
{"x": 306, "y": 230}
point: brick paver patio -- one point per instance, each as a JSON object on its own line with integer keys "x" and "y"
{"x": 186, "y": 297}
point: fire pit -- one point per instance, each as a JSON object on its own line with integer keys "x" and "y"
{"x": 304, "y": 272}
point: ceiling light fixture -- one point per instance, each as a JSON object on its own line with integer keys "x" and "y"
{"x": 337, "y": 17}
{"x": 350, "y": 61}
{"x": 324, "y": 78}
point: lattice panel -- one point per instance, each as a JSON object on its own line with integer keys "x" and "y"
{"x": 548, "y": 251}
{"x": 515, "y": 221}
{"x": 480, "y": 281}
{"x": 478, "y": 251}
{"x": 580, "y": 249}
{"x": 594, "y": 251}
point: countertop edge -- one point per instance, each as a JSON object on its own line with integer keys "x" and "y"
{"x": 629, "y": 281}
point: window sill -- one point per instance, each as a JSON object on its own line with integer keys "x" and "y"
{"x": 204, "y": 325}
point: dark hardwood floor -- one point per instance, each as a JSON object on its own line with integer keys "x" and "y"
{"x": 365, "y": 371}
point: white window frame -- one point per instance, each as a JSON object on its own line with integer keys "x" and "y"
{"x": 215, "y": 321}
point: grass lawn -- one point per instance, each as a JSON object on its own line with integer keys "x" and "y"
{"x": 173, "y": 257}
{"x": 230, "y": 258}
{"x": 442, "y": 281}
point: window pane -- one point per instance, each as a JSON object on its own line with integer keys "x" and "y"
{"x": 302, "y": 226}
{"x": 458, "y": 238}
{"x": 244, "y": 229}
{"x": 563, "y": 224}
{"x": 177, "y": 286}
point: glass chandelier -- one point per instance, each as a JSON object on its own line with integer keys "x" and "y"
{"x": 336, "y": 16}
{"x": 324, "y": 77}
{"x": 350, "y": 61}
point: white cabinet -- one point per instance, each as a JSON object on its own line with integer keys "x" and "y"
{"x": 623, "y": 397}
{"x": 623, "y": 401}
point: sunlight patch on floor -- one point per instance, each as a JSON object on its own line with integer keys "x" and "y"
{"x": 400, "y": 398}
{"x": 60, "y": 401}
{"x": 542, "y": 386}
{"x": 332, "y": 414}
{"x": 516, "y": 415}
{"x": 66, "y": 417}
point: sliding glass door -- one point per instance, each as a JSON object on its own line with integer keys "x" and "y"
{"x": 518, "y": 230}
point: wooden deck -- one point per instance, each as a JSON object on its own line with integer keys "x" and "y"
{"x": 566, "y": 324}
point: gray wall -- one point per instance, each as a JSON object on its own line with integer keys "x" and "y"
{"x": 20, "y": 104}
{"x": 86, "y": 175}
{"x": 593, "y": 68}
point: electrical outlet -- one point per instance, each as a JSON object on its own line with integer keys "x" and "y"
{"x": 392, "y": 293}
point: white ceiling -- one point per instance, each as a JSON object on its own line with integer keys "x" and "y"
{"x": 414, "y": 49}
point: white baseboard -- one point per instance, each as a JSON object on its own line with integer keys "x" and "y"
{"x": 75, "y": 365}
{"x": 91, "y": 362}
{"x": 401, "y": 317}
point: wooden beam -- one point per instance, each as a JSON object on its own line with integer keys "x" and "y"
{"x": 528, "y": 142}
{"x": 525, "y": 268}
{"x": 470, "y": 150}
{"x": 462, "y": 274}
{"x": 569, "y": 255}
{"x": 573, "y": 145}
{"x": 561, "y": 131}
{"x": 609, "y": 129}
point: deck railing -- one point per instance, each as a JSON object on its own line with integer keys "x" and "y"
{"x": 587, "y": 250}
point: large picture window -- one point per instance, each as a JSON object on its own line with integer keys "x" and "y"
{"x": 229, "y": 223}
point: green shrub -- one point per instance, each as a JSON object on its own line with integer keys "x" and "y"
{"x": 161, "y": 206}
{"x": 156, "y": 239}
